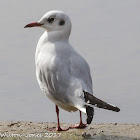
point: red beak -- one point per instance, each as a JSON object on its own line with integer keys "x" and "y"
{"x": 34, "y": 24}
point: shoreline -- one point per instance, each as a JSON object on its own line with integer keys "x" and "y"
{"x": 21, "y": 130}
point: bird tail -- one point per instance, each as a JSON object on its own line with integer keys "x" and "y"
{"x": 93, "y": 101}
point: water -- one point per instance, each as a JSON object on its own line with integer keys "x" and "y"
{"x": 106, "y": 34}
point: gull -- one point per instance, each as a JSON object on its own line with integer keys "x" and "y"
{"x": 62, "y": 73}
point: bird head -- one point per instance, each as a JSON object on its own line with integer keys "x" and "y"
{"x": 53, "y": 21}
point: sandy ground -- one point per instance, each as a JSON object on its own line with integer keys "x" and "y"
{"x": 37, "y": 130}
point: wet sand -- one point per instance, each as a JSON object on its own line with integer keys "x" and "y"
{"x": 38, "y": 130}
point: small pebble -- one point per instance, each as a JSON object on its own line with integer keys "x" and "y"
{"x": 85, "y": 135}
{"x": 11, "y": 124}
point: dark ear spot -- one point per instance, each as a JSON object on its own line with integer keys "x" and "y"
{"x": 62, "y": 22}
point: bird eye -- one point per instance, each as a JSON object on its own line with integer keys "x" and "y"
{"x": 50, "y": 20}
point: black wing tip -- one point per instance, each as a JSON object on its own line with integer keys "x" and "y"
{"x": 90, "y": 113}
{"x": 117, "y": 109}
{"x": 88, "y": 121}
{"x": 102, "y": 104}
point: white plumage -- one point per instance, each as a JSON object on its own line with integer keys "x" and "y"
{"x": 61, "y": 72}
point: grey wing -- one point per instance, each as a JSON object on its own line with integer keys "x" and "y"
{"x": 80, "y": 70}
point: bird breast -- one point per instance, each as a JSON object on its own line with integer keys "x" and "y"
{"x": 52, "y": 69}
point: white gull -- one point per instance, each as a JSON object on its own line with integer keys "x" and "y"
{"x": 62, "y": 73}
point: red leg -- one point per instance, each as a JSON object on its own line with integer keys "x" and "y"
{"x": 58, "y": 127}
{"x": 81, "y": 124}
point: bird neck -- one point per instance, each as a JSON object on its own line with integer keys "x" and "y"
{"x": 56, "y": 36}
